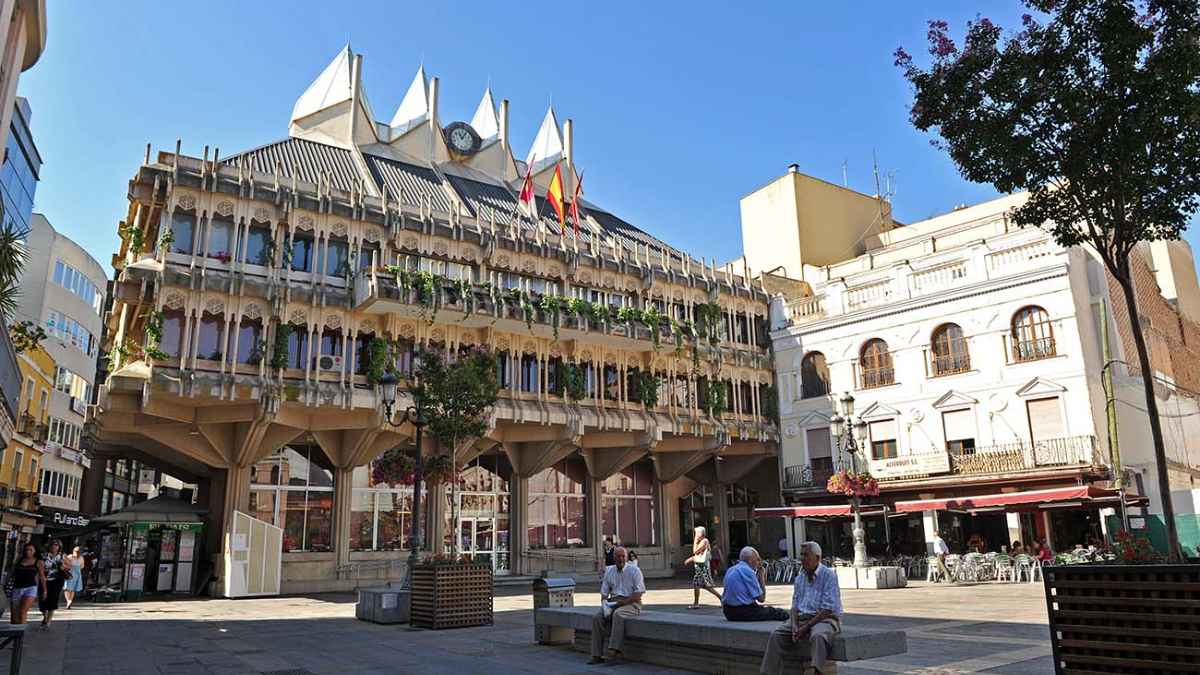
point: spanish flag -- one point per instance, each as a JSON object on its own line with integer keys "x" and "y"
{"x": 554, "y": 195}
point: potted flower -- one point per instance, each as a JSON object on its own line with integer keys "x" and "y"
{"x": 852, "y": 484}
{"x": 394, "y": 467}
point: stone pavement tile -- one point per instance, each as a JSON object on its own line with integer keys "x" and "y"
{"x": 1043, "y": 665}
{"x": 1000, "y": 629}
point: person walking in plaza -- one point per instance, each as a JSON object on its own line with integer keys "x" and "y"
{"x": 940, "y": 551}
{"x": 745, "y": 590}
{"x": 620, "y": 599}
{"x": 816, "y": 614}
{"x": 28, "y": 582}
{"x": 54, "y": 566}
{"x": 701, "y": 572}
{"x": 74, "y": 582}
{"x": 608, "y": 552}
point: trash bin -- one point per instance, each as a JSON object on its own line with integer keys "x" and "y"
{"x": 383, "y": 604}
{"x": 550, "y": 593}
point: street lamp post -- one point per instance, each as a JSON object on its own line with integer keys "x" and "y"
{"x": 416, "y": 416}
{"x": 845, "y": 429}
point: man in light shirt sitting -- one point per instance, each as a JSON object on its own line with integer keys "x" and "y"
{"x": 745, "y": 590}
{"x": 620, "y": 598}
{"x": 816, "y": 614}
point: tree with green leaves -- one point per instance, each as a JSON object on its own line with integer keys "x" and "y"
{"x": 1093, "y": 107}
{"x": 455, "y": 398}
{"x": 13, "y": 255}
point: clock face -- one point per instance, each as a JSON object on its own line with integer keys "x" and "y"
{"x": 462, "y": 139}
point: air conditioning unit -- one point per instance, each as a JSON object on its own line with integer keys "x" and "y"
{"x": 328, "y": 362}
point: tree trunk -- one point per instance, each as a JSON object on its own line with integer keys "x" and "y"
{"x": 1160, "y": 452}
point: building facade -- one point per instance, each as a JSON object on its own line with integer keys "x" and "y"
{"x": 63, "y": 291}
{"x": 263, "y": 276}
{"x": 23, "y": 460}
{"x": 971, "y": 351}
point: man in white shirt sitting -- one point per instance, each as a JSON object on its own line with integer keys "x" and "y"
{"x": 620, "y": 598}
{"x": 816, "y": 614}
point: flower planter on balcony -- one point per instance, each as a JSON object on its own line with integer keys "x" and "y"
{"x": 1124, "y": 618}
{"x": 452, "y": 595}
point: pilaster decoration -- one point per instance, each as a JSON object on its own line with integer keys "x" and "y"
{"x": 437, "y": 335}
{"x": 225, "y": 208}
{"x": 440, "y": 248}
{"x": 585, "y": 277}
{"x": 174, "y": 301}
{"x": 469, "y": 256}
{"x": 406, "y": 331}
{"x": 791, "y": 430}
{"x": 262, "y": 214}
{"x": 186, "y": 202}
{"x": 502, "y": 345}
{"x": 529, "y": 265}
{"x": 409, "y": 242}
{"x": 556, "y": 352}
{"x": 366, "y": 326}
{"x": 502, "y": 261}
{"x": 554, "y": 271}
{"x": 585, "y": 355}
{"x": 299, "y": 317}
{"x": 252, "y": 311}
{"x": 468, "y": 337}
{"x": 304, "y": 223}
{"x": 338, "y": 229}
{"x": 333, "y": 321}
{"x": 371, "y": 235}
{"x": 530, "y": 347}
{"x": 214, "y": 306}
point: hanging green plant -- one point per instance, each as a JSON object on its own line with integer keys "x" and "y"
{"x": 135, "y": 236}
{"x": 647, "y": 389}
{"x": 154, "y": 324}
{"x": 677, "y": 334}
{"x": 718, "y": 398}
{"x": 26, "y": 336}
{"x": 165, "y": 240}
{"x": 288, "y": 252}
{"x": 578, "y": 307}
{"x": 630, "y": 315}
{"x": 654, "y": 321}
{"x": 279, "y": 351}
{"x": 552, "y": 306}
{"x": 769, "y": 398}
{"x": 466, "y": 292}
{"x": 574, "y": 381}
{"x": 708, "y": 320}
{"x": 378, "y": 350}
{"x": 598, "y": 313}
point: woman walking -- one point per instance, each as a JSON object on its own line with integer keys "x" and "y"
{"x": 75, "y": 580}
{"x": 29, "y": 580}
{"x": 54, "y": 566}
{"x": 701, "y": 575}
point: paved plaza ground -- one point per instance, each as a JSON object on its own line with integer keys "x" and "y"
{"x": 994, "y": 628}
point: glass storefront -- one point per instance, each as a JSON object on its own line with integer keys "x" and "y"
{"x": 483, "y": 512}
{"x": 380, "y": 514}
{"x": 293, "y": 489}
{"x": 556, "y": 506}
{"x": 628, "y": 509}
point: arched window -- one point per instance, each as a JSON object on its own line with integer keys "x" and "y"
{"x": 949, "y": 350}
{"x": 1032, "y": 335}
{"x": 875, "y": 362}
{"x": 814, "y": 375}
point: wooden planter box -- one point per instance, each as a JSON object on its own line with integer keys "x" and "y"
{"x": 1124, "y": 618}
{"x": 451, "y": 596}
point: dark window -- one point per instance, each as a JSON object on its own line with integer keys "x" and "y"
{"x": 250, "y": 349}
{"x": 814, "y": 375}
{"x": 949, "y": 349}
{"x": 612, "y": 383}
{"x": 212, "y": 337}
{"x": 172, "y": 332}
{"x": 297, "y": 346}
{"x": 302, "y": 252}
{"x": 554, "y": 376}
{"x": 876, "y": 364}
{"x": 1032, "y": 335}
{"x": 337, "y": 257}
{"x": 256, "y": 247}
{"x": 502, "y": 368}
{"x": 366, "y": 253}
{"x": 183, "y": 230}
{"x": 529, "y": 373}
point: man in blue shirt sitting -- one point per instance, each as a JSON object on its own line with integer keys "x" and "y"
{"x": 745, "y": 590}
{"x": 816, "y": 614}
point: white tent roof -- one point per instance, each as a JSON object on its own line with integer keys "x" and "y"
{"x": 331, "y": 87}
{"x": 485, "y": 122}
{"x": 414, "y": 109}
{"x": 547, "y": 145}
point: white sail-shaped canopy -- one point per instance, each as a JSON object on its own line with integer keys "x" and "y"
{"x": 547, "y": 145}
{"x": 414, "y": 109}
{"x": 486, "y": 122}
{"x": 333, "y": 86}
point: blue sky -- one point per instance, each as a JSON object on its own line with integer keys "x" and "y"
{"x": 679, "y": 110}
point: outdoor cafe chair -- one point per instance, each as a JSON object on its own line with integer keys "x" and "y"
{"x": 1024, "y": 568}
{"x": 1004, "y": 568}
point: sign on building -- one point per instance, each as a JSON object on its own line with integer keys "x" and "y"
{"x": 922, "y": 464}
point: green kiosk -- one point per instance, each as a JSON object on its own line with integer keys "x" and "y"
{"x": 158, "y": 543}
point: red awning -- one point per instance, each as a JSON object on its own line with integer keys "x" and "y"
{"x": 803, "y": 511}
{"x": 1080, "y": 493}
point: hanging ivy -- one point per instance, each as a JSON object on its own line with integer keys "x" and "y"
{"x": 136, "y": 237}
{"x": 677, "y": 334}
{"x": 598, "y": 314}
{"x": 279, "y": 352}
{"x": 574, "y": 381}
{"x": 647, "y": 389}
{"x": 630, "y": 315}
{"x": 718, "y": 398}
{"x": 26, "y": 336}
{"x": 578, "y": 307}
{"x": 378, "y": 350}
{"x": 654, "y": 321}
{"x": 769, "y": 398}
{"x": 708, "y": 320}
{"x": 552, "y": 306}
{"x": 165, "y": 240}
{"x": 154, "y": 324}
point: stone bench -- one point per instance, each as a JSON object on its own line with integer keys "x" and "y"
{"x": 708, "y": 643}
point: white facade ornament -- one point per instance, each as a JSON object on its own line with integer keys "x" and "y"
{"x": 186, "y": 202}
{"x": 409, "y": 242}
{"x": 366, "y": 326}
{"x": 174, "y": 301}
{"x": 333, "y": 321}
{"x": 225, "y": 208}
{"x": 262, "y": 215}
{"x": 440, "y": 248}
{"x": 304, "y": 223}
{"x": 252, "y": 311}
{"x": 407, "y": 331}
{"x": 371, "y": 235}
{"x": 299, "y": 317}
{"x": 338, "y": 229}
{"x": 214, "y": 306}
{"x": 791, "y": 430}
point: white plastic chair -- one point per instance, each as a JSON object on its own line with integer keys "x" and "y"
{"x": 1024, "y": 564}
{"x": 1004, "y": 568}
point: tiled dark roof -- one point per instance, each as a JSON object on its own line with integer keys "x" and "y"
{"x": 310, "y": 161}
{"x": 484, "y": 199}
{"x": 411, "y": 181}
{"x": 629, "y": 235}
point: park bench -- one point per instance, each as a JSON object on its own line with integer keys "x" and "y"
{"x": 707, "y": 643}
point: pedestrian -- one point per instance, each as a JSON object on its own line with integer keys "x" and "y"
{"x": 608, "y": 552}
{"x": 74, "y": 576}
{"x": 54, "y": 567}
{"x": 701, "y": 573}
{"x": 28, "y": 581}
{"x": 620, "y": 599}
{"x": 940, "y": 551}
{"x": 745, "y": 590}
{"x": 1017, "y": 548}
{"x": 815, "y": 615}
{"x": 633, "y": 559}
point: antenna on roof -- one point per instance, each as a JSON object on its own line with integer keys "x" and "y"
{"x": 845, "y": 181}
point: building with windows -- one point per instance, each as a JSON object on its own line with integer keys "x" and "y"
{"x": 23, "y": 459}
{"x": 971, "y": 351}
{"x": 263, "y": 277}
{"x": 63, "y": 291}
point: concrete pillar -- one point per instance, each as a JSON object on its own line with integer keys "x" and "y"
{"x": 1014, "y": 529}
{"x": 721, "y": 511}
{"x": 93, "y": 487}
{"x": 593, "y": 503}
{"x": 435, "y": 532}
{"x": 1049, "y": 530}
{"x": 343, "y": 498}
{"x": 797, "y": 534}
{"x": 518, "y": 522}
{"x": 930, "y": 522}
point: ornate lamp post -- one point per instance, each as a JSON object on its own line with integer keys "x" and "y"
{"x": 416, "y": 416}
{"x": 848, "y": 432}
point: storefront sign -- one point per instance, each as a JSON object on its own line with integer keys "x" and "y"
{"x": 911, "y": 465}
{"x": 69, "y": 519}
{"x": 184, "y": 527}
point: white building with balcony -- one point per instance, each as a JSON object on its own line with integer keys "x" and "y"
{"x": 972, "y": 351}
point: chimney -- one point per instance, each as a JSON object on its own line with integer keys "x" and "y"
{"x": 569, "y": 142}
{"x": 793, "y": 168}
{"x": 433, "y": 104}
{"x": 504, "y": 126}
